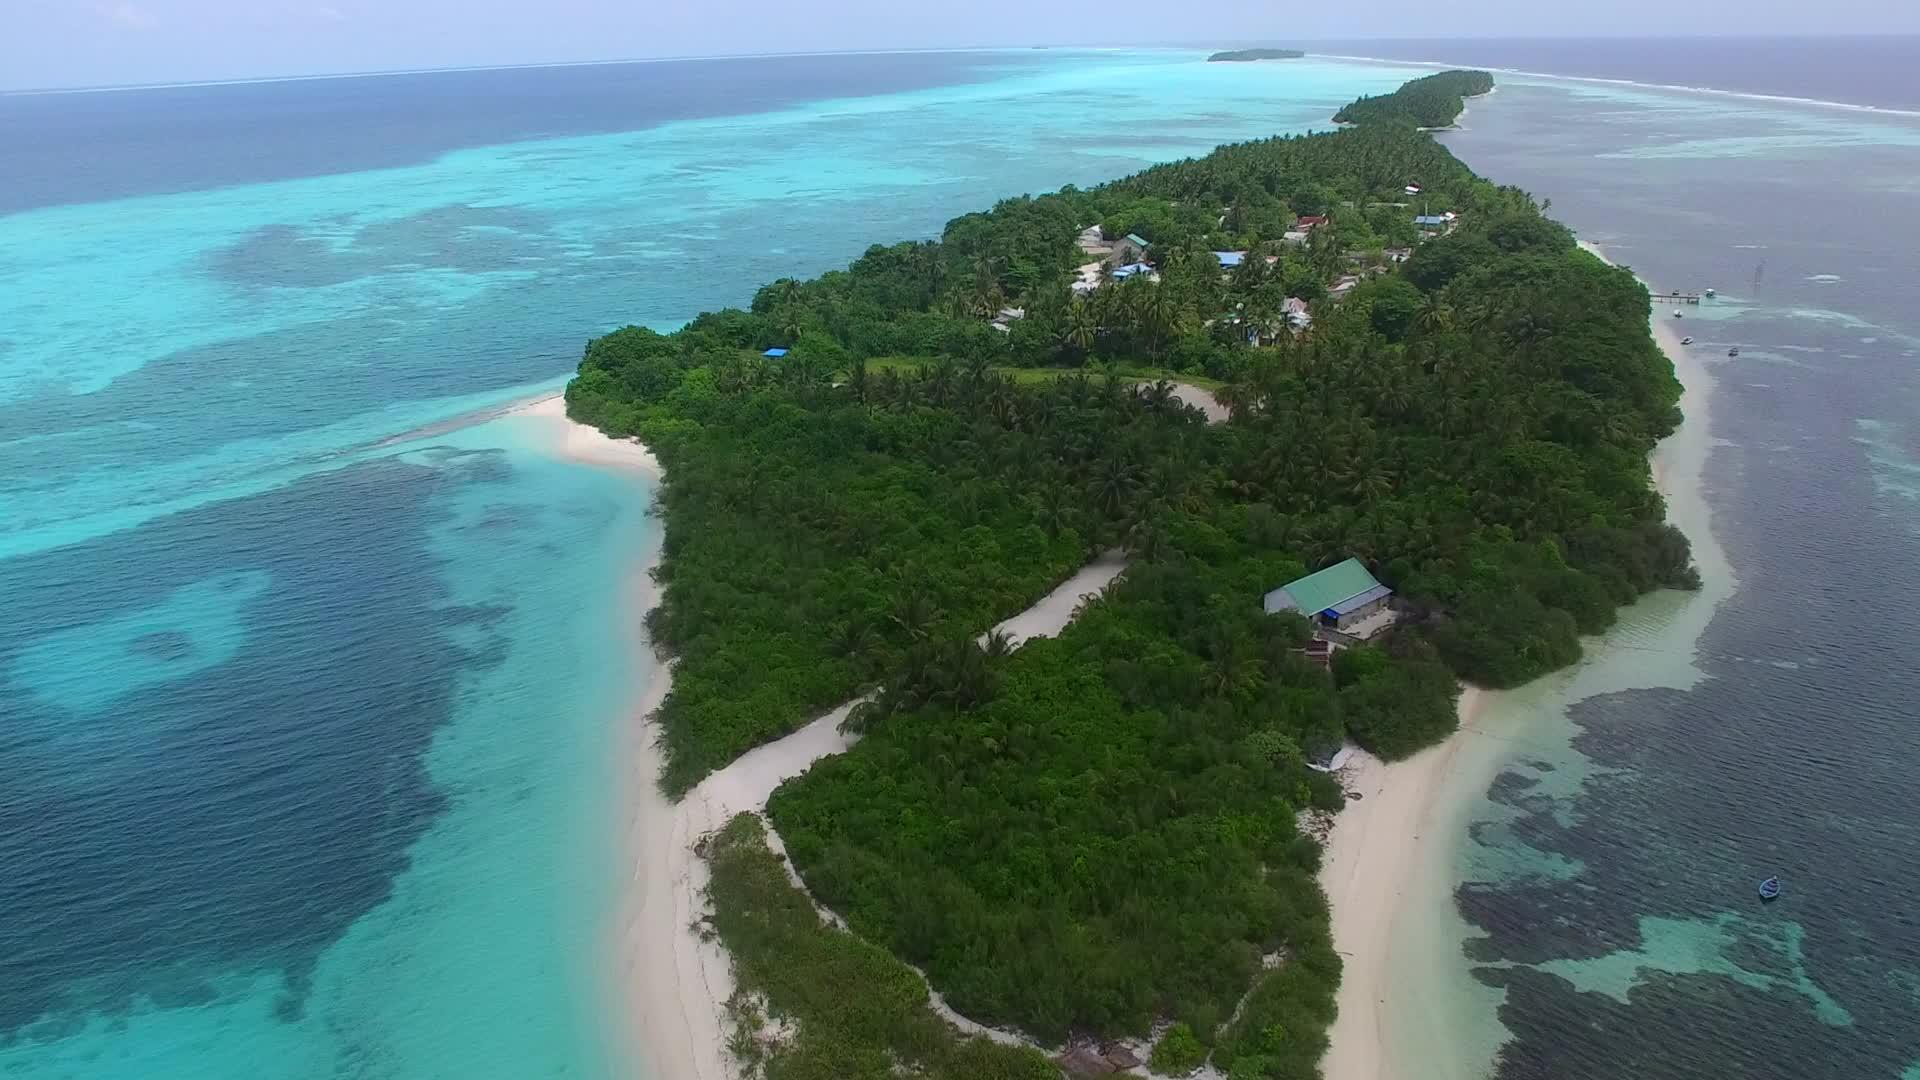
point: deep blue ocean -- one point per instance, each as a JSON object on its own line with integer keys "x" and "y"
{"x": 309, "y": 685}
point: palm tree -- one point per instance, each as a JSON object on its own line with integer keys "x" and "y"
{"x": 857, "y": 379}
{"x": 1154, "y": 313}
{"x": 988, "y": 296}
{"x": 1159, "y": 397}
{"x": 1372, "y": 481}
{"x": 997, "y": 645}
{"x": 852, "y": 640}
{"x": 940, "y": 378}
{"x": 1233, "y": 669}
{"x": 1433, "y": 317}
{"x": 930, "y": 270}
{"x": 1003, "y": 402}
{"x": 1114, "y": 485}
{"x": 1083, "y": 326}
{"x": 1056, "y": 511}
{"x": 1145, "y": 537}
{"x": 914, "y": 614}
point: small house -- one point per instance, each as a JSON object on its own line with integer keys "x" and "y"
{"x": 1398, "y": 254}
{"x": 1122, "y": 273}
{"x": 1297, "y": 315}
{"x": 1430, "y": 221}
{"x": 1230, "y": 259}
{"x": 1127, "y": 250}
{"x": 1094, "y": 242}
{"x": 1294, "y": 236}
{"x": 774, "y": 354}
{"x": 1309, "y": 221}
{"x": 1340, "y": 288}
{"x": 1338, "y": 598}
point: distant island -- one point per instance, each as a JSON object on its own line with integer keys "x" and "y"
{"x": 1101, "y": 840}
{"x": 1241, "y": 56}
{"x": 1435, "y": 101}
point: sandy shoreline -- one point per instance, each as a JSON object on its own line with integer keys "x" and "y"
{"x": 1367, "y": 873}
{"x": 1407, "y": 1004}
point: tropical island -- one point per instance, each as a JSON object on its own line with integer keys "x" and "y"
{"x": 1241, "y": 56}
{"x": 1434, "y": 101}
{"x": 1096, "y": 843}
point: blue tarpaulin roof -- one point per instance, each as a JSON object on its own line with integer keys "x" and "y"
{"x": 1131, "y": 269}
{"x": 1355, "y": 603}
{"x": 775, "y": 353}
{"x": 1230, "y": 259}
{"x": 1429, "y": 219}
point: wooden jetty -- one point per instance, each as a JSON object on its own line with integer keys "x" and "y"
{"x": 1677, "y": 297}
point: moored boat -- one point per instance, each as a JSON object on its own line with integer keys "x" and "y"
{"x": 1770, "y": 889}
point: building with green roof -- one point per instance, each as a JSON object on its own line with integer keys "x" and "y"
{"x": 1339, "y": 597}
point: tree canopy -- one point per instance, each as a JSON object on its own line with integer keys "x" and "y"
{"x": 1434, "y": 101}
{"x": 1096, "y": 832}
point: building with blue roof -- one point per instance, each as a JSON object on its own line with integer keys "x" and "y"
{"x": 1122, "y": 273}
{"x": 1230, "y": 259}
{"x": 774, "y": 354}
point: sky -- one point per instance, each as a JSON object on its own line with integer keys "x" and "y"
{"x": 63, "y": 43}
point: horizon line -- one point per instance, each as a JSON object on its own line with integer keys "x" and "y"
{"x": 249, "y": 80}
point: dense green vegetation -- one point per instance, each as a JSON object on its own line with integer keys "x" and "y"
{"x": 1097, "y": 831}
{"x": 851, "y": 1011}
{"x": 1435, "y": 101}
{"x": 1105, "y": 834}
{"x": 1244, "y": 55}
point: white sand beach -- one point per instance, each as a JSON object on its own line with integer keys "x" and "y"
{"x": 1367, "y": 871}
{"x": 589, "y": 445}
{"x": 1407, "y": 1005}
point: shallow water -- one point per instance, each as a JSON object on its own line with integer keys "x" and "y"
{"x": 308, "y": 731}
{"x": 1608, "y": 878}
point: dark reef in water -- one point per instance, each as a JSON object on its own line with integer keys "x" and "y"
{"x": 249, "y": 812}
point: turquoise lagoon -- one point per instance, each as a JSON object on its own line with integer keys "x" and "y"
{"x": 311, "y": 674}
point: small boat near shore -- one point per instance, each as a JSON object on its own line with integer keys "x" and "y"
{"x": 1735, "y": 351}
{"x": 1770, "y": 889}
{"x": 1686, "y": 341}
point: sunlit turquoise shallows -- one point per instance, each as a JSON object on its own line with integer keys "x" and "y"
{"x": 313, "y": 701}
